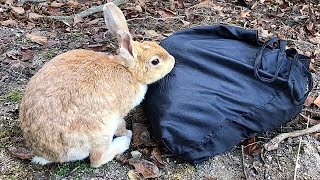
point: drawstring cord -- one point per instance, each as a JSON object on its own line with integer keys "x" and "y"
{"x": 281, "y": 57}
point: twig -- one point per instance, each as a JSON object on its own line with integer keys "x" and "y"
{"x": 174, "y": 17}
{"x": 309, "y": 120}
{"x": 298, "y": 153}
{"x": 274, "y": 143}
{"x": 94, "y": 9}
{"x": 297, "y": 161}
{"x": 243, "y": 164}
{"x": 35, "y": 1}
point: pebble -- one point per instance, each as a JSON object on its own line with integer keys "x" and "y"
{"x": 136, "y": 154}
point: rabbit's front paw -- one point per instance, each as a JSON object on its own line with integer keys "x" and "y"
{"x": 129, "y": 134}
{"x": 121, "y": 144}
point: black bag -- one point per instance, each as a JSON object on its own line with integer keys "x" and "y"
{"x": 224, "y": 88}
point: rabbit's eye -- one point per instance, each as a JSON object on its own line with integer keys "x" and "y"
{"x": 155, "y": 62}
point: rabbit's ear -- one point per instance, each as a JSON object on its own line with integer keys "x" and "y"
{"x": 127, "y": 50}
{"x": 117, "y": 25}
{"x": 114, "y": 18}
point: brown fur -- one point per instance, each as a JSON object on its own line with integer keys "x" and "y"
{"x": 73, "y": 96}
{"x": 75, "y": 104}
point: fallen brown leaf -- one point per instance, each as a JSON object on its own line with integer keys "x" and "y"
{"x": 12, "y": 55}
{"x": 309, "y": 101}
{"x": 316, "y": 135}
{"x": 73, "y": 3}
{"x": 317, "y": 101}
{"x": 95, "y": 21}
{"x": 156, "y": 156}
{"x": 245, "y": 13}
{"x": 9, "y": 22}
{"x": 138, "y": 129}
{"x": 138, "y": 8}
{"x": 56, "y": 4}
{"x": 20, "y": 152}
{"x": 122, "y": 159}
{"x": 39, "y": 39}
{"x": 9, "y": 2}
{"x": 26, "y": 55}
{"x": 18, "y": 10}
{"x": 132, "y": 175}
{"x": 146, "y": 168}
{"x": 251, "y": 146}
{"x": 165, "y": 14}
{"x": 151, "y": 33}
{"x": 185, "y": 23}
{"x": 34, "y": 16}
{"x": 77, "y": 19}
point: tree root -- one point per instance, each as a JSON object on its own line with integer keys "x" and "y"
{"x": 274, "y": 143}
{"x": 94, "y": 9}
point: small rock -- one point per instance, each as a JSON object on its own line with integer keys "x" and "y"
{"x": 136, "y": 154}
{"x": 132, "y": 175}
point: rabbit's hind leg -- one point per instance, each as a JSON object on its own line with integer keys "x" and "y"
{"x": 105, "y": 153}
{"x": 122, "y": 130}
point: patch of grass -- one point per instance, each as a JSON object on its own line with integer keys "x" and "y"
{"x": 13, "y": 96}
{"x": 48, "y": 54}
{"x": 67, "y": 169}
{"x": 76, "y": 36}
{"x": 63, "y": 169}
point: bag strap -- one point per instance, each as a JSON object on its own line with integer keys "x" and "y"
{"x": 291, "y": 83}
{"x": 282, "y": 52}
{"x": 280, "y": 58}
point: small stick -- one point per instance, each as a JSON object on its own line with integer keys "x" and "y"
{"x": 274, "y": 143}
{"x": 94, "y": 9}
{"x": 243, "y": 165}
{"x": 297, "y": 161}
{"x": 174, "y": 17}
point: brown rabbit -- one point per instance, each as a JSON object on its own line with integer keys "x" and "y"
{"x": 75, "y": 104}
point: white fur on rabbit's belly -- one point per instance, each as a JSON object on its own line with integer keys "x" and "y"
{"x": 141, "y": 94}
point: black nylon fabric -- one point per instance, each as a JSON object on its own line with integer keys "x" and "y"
{"x": 224, "y": 87}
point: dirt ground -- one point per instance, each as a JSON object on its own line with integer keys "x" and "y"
{"x": 15, "y": 72}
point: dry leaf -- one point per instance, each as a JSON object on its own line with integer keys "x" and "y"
{"x": 138, "y": 129}
{"x": 12, "y": 55}
{"x": 56, "y": 4}
{"x": 245, "y": 13}
{"x": 73, "y": 3}
{"x": 77, "y": 19}
{"x": 315, "y": 40}
{"x": 165, "y": 14}
{"x": 34, "y": 16}
{"x": 9, "y": 22}
{"x": 132, "y": 175}
{"x": 39, "y": 39}
{"x": 26, "y": 55}
{"x": 146, "y": 168}
{"x": 95, "y": 21}
{"x": 309, "y": 101}
{"x": 151, "y": 33}
{"x": 9, "y": 2}
{"x": 138, "y": 8}
{"x": 251, "y": 146}
{"x": 317, "y": 101}
{"x": 20, "y": 152}
{"x": 156, "y": 156}
{"x": 185, "y": 23}
{"x": 18, "y": 10}
{"x": 122, "y": 159}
